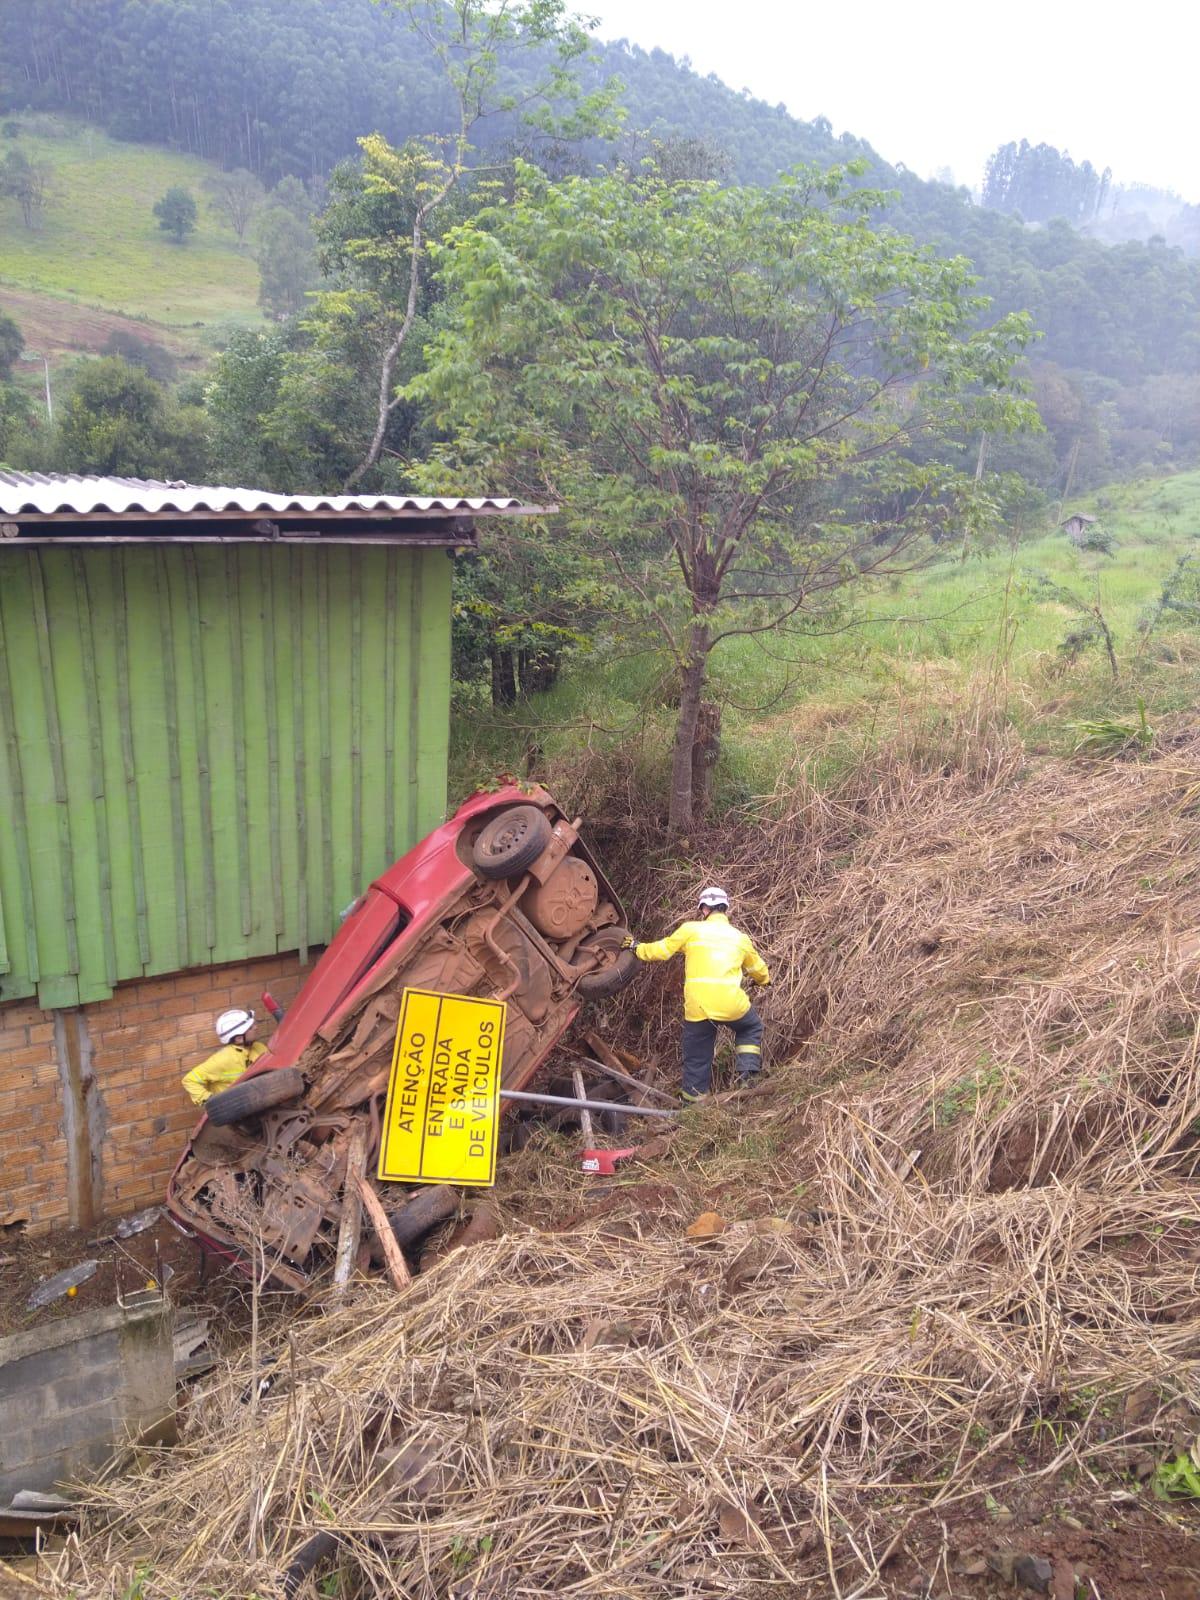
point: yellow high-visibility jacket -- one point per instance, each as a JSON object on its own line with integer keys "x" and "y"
{"x": 715, "y": 956}
{"x": 219, "y": 1070}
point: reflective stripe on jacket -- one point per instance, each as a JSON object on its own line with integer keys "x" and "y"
{"x": 715, "y": 955}
{"x": 219, "y": 1070}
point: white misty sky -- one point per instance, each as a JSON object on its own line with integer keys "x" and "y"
{"x": 935, "y": 83}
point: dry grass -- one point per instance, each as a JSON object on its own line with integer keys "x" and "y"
{"x": 985, "y": 1241}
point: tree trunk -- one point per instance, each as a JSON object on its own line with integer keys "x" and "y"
{"x": 504, "y": 677}
{"x": 705, "y": 750}
{"x": 691, "y": 692}
{"x": 539, "y": 671}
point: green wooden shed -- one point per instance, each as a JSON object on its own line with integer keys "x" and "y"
{"x": 222, "y": 712}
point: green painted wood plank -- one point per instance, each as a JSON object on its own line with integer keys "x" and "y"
{"x": 412, "y": 711}
{"x": 238, "y": 706}
{"x": 271, "y": 720}
{"x": 54, "y": 744}
{"x": 137, "y": 860}
{"x": 162, "y": 589}
{"x": 356, "y": 721}
{"x": 373, "y": 652}
{"x": 149, "y": 718}
{"x": 390, "y": 646}
{"x": 203, "y": 762}
{"x": 432, "y": 645}
{"x": 99, "y": 790}
{"x": 17, "y": 814}
{"x": 325, "y": 742}
{"x": 299, "y": 617}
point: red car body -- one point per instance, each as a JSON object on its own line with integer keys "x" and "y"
{"x": 431, "y": 921}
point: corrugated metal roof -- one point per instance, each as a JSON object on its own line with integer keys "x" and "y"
{"x": 24, "y": 494}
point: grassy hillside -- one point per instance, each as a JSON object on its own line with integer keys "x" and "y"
{"x": 958, "y": 630}
{"x": 100, "y": 248}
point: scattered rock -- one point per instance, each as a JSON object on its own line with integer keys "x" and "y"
{"x": 1070, "y": 1521}
{"x": 1035, "y": 1572}
{"x": 1002, "y": 1563}
{"x": 708, "y": 1225}
{"x": 971, "y": 1566}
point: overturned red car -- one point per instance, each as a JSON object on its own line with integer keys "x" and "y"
{"x": 503, "y": 902}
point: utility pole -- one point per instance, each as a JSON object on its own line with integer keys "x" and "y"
{"x": 1070, "y": 480}
{"x": 33, "y": 355}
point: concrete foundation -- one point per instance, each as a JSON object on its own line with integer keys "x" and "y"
{"x": 73, "y": 1391}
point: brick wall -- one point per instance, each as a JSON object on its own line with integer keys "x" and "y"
{"x": 33, "y": 1147}
{"x": 140, "y": 1043}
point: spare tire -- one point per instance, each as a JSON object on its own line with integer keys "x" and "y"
{"x": 255, "y": 1095}
{"x": 511, "y": 841}
{"x": 613, "y": 968}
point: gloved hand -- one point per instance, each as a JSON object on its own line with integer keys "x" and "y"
{"x": 628, "y": 942}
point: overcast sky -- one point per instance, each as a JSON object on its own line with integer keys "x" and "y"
{"x": 938, "y": 83}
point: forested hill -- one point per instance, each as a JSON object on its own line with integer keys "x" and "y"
{"x": 287, "y": 86}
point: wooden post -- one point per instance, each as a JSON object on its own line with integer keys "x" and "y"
{"x": 393, "y": 1256}
{"x": 351, "y": 1228}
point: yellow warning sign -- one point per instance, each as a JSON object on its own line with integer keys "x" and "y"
{"x": 443, "y": 1098}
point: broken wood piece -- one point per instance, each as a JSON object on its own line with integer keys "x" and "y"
{"x": 422, "y": 1212}
{"x": 610, "y": 1064}
{"x": 393, "y": 1256}
{"x": 483, "y": 1224}
{"x": 585, "y": 1116}
{"x": 351, "y": 1225}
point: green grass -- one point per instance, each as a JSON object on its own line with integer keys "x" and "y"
{"x": 919, "y": 646}
{"x": 100, "y": 244}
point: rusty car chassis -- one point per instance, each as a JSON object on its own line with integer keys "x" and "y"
{"x": 504, "y": 902}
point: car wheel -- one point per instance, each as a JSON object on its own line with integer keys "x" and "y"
{"x": 511, "y": 842}
{"x": 610, "y": 966}
{"x": 249, "y": 1099}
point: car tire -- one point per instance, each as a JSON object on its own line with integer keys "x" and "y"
{"x": 511, "y": 841}
{"x": 618, "y": 971}
{"x": 254, "y": 1096}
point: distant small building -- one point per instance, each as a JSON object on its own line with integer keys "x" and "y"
{"x": 1076, "y": 527}
{"x": 222, "y": 713}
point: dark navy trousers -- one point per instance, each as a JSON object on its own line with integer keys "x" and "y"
{"x": 700, "y": 1041}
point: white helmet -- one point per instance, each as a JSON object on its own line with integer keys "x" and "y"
{"x": 232, "y": 1025}
{"x": 714, "y": 899}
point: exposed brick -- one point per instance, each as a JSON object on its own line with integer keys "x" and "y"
{"x": 31, "y": 1055}
{"x": 144, "y": 1039}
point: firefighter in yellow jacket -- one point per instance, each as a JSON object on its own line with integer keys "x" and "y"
{"x": 239, "y": 1050}
{"x": 716, "y": 955}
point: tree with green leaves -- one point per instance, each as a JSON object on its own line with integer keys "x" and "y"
{"x": 12, "y": 342}
{"x": 476, "y": 46}
{"x": 27, "y": 182}
{"x": 720, "y": 385}
{"x": 287, "y": 266}
{"x": 118, "y": 420}
{"x": 176, "y": 213}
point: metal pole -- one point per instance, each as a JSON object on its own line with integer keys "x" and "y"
{"x": 584, "y": 1105}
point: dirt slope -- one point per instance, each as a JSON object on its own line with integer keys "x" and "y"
{"x": 946, "y": 1330}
